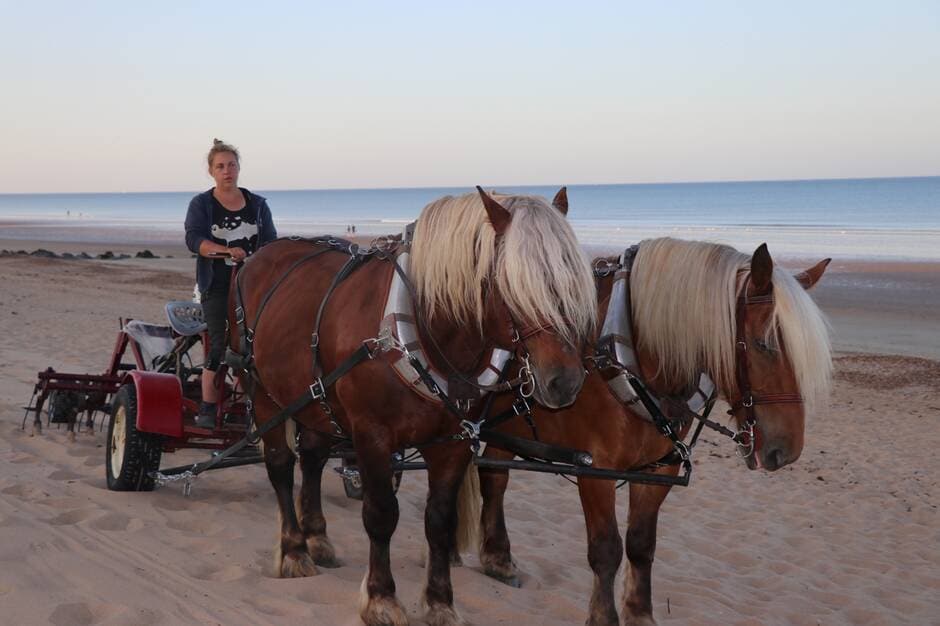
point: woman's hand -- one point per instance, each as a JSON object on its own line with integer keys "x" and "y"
{"x": 238, "y": 254}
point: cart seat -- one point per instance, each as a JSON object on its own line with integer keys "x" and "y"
{"x": 186, "y": 317}
{"x": 154, "y": 341}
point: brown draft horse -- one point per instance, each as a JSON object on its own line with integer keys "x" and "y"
{"x": 685, "y": 305}
{"x": 480, "y": 264}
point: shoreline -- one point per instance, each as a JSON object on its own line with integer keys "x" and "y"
{"x": 874, "y": 306}
{"x": 785, "y": 241}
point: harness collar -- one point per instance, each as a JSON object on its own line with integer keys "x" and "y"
{"x": 616, "y": 343}
{"x": 399, "y": 319}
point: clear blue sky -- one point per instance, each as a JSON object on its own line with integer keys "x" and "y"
{"x": 127, "y": 96}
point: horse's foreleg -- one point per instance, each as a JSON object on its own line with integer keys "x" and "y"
{"x": 291, "y": 558}
{"x": 377, "y": 601}
{"x": 446, "y": 468}
{"x": 598, "y": 499}
{"x": 645, "y": 501}
{"x": 495, "y": 554}
{"x": 314, "y": 453}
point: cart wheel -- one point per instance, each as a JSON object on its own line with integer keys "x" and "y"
{"x": 131, "y": 454}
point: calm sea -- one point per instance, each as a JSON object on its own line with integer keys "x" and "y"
{"x": 878, "y": 218}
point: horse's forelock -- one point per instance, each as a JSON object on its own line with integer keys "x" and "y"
{"x": 542, "y": 273}
{"x": 539, "y": 268}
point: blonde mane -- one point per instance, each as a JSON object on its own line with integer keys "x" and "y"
{"x": 537, "y": 265}
{"x": 684, "y": 299}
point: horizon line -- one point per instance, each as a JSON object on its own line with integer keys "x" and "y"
{"x": 396, "y": 188}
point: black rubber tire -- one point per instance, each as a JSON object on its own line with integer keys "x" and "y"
{"x": 131, "y": 470}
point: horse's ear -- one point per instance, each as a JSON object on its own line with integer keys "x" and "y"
{"x": 561, "y": 201}
{"x": 499, "y": 217}
{"x": 810, "y": 277}
{"x": 762, "y": 269}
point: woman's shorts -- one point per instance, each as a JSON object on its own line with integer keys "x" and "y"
{"x": 215, "y": 310}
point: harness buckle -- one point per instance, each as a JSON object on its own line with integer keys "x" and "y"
{"x": 250, "y": 335}
{"x": 239, "y": 315}
{"x": 748, "y": 403}
{"x": 684, "y": 452}
{"x": 384, "y": 341}
{"x": 521, "y": 406}
{"x": 317, "y": 391}
{"x": 516, "y": 337}
{"x": 315, "y": 340}
{"x": 471, "y": 430}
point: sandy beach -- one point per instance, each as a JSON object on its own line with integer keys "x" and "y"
{"x": 849, "y": 534}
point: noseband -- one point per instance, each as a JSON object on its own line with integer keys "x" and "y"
{"x": 745, "y": 438}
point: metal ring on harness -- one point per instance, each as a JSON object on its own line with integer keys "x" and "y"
{"x": 744, "y": 438}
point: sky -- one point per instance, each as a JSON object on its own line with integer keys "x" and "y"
{"x": 127, "y": 96}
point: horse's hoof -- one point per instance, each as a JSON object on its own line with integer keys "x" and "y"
{"x": 297, "y": 566}
{"x": 455, "y": 560}
{"x": 443, "y": 615}
{"x": 71, "y": 437}
{"x": 322, "y": 552}
{"x": 513, "y": 580}
{"x": 383, "y": 611}
{"x": 639, "y": 620}
{"x": 498, "y": 568}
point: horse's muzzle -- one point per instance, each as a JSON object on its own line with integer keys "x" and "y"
{"x": 560, "y": 388}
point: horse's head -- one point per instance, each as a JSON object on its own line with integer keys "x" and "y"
{"x": 543, "y": 301}
{"x": 782, "y": 360}
{"x": 511, "y": 267}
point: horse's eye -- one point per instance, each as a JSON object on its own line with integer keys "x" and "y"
{"x": 763, "y": 346}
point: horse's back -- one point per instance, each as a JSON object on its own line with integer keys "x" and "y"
{"x": 287, "y": 281}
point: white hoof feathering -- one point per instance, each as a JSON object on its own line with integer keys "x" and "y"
{"x": 380, "y": 611}
{"x": 441, "y": 615}
{"x": 298, "y": 566}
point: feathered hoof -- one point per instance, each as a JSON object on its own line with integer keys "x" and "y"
{"x": 455, "y": 559}
{"x": 297, "y": 565}
{"x": 638, "y": 620}
{"x": 322, "y": 551}
{"x": 443, "y": 615}
{"x": 506, "y": 573}
{"x": 383, "y": 611}
{"x": 71, "y": 436}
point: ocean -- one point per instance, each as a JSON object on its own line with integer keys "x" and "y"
{"x": 878, "y": 218}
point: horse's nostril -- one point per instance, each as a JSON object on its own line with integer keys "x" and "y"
{"x": 563, "y": 386}
{"x": 775, "y": 459}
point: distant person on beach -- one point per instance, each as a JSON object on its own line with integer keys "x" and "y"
{"x": 224, "y": 225}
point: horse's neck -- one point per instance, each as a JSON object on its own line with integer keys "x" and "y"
{"x": 461, "y": 345}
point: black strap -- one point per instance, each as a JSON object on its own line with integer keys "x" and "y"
{"x": 353, "y": 262}
{"x": 361, "y": 354}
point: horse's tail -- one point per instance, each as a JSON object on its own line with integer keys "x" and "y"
{"x": 468, "y": 512}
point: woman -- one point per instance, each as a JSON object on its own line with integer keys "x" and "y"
{"x": 223, "y": 226}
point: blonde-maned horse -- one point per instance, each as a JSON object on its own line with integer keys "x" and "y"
{"x": 487, "y": 271}
{"x": 696, "y": 307}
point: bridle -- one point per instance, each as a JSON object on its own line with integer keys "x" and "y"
{"x": 745, "y": 437}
